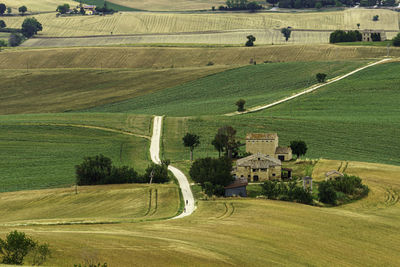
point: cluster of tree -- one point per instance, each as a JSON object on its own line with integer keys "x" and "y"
{"x": 286, "y": 191}
{"x": 63, "y": 8}
{"x": 342, "y": 190}
{"x": 99, "y": 170}
{"x": 241, "y": 5}
{"x": 30, "y": 27}
{"x": 16, "y": 246}
{"x": 340, "y": 36}
{"x": 396, "y": 40}
{"x": 225, "y": 142}
{"x": 250, "y": 40}
{"x": 105, "y": 9}
{"x": 212, "y": 174}
{"x": 329, "y": 3}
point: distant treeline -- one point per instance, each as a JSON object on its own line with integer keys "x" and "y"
{"x": 240, "y": 5}
{"x": 329, "y": 3}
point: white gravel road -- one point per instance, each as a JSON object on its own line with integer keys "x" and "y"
{"x": 180, "y": 176}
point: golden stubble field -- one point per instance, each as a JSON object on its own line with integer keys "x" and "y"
{"x": 38, "y": 5}
{"x": 246, "y": 232}
{"x": 145, "y": 22}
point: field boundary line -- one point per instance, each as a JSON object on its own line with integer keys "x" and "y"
{"x": 91, "y": 127}
{"x": 309, "y": 90}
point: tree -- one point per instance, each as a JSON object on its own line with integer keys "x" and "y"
{"x": 358, "y": 25}
{"x": 9, "y": 10}
{"x": 157, "y": 173}
{"x": 389, "y": 3}
{"x": 272, "y": 2}
{"x": 396, "y": 40}
{"x": 215, "y": 171}
{"x": 219, "y": 143}
{"x": 228, "y": 136}
{"x": 17, "y": 246}
{"x": 240, "y": 104}
{"x": 3, "y": 43}
{"x": 2, "y": 24}
{"x": 375, "y": 18}
{"x": 327, "y": 193}
{"x": 318, "y": 5}
{"x": 321, "y": 77}
{"x": 22, "y": 10}
{"x": 251, "y": 40}
{"x": 15, "y": 39}
{"x": 299, "y": 148}
{"x": 3, "y": 8}
{"x": 63, "y": 8}
{"x": 191, "y": 141}
{"x": 93, "y": 170}
{"x": 253, "y": 6}
{"x": 286, "y": 32}
{"x": 30, "y": 27}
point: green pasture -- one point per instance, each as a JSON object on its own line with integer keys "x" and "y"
{"x": 354, "y": 119}
{"x": 35, "y": 156}
{"x": 218, "y": 93}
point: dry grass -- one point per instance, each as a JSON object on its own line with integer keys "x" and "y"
{"x": 247, "y": 233}
{"x": 59, "y": 90}
{"x": 139, "y": 22}
{"x": 114, "y": 203}
{"x": 161, "y": 57}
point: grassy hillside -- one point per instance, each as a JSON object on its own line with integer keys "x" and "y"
{"x": 114, "y": 203}
{"x": 145, "y": 22}
{"x": 258, "y": 84}
{"x": 59, "y": 90}
{"x": 354, "y": 119}
{"x": 167, "y": 57}
{"x": 244, "y": 232}
{"x": 37, "y": 153}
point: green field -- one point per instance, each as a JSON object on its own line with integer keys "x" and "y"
{"x": 43, "y": 153}
{"x": 353, "y": 119}
{"x": 260, "y": 84}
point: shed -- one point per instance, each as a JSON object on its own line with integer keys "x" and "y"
{"x": 307, "y": 182}
{"x": 237, "y": 188}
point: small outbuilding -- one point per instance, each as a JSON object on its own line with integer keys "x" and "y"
{"x": 333, "y": 174}
{"x": 237, "y": 188}
{"x": 307, "y": 182}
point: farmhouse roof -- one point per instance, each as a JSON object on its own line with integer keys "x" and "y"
{"x": 237, "y": 183}
{"x": 283, "y": 150}
{"x": 89, "y": 6}
{"x": 333, "y": 172}
{"x": 258, "y": 161}
{"x": 261, "y": 136}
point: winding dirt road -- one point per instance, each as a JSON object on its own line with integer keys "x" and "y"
{"x": 180, "y": 176}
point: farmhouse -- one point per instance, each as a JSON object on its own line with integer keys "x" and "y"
{"x": 258, "y": 167}
{"x": 89, "y": 9}
{"x": 373, "y": 35}
{"x": 267, "y": 144}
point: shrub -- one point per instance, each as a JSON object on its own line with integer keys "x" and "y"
{"x": 240, "y": 105}
{"x": 17, "y": 246}
{"x": 3, "y": 43}
{"x": 269, "y": 189}
{"x": 375, "y": 18}
{"x": 250, "y": 40}
{"x": 396, "y": 40}
{"x": 318, "y": 5}
{"x": 2, "y": 24}
{"x": 321, "y": 77}
{"x": 15, "y": 39}
{"x": 327, "y": 193}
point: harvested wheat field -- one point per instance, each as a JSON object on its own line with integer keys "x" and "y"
{"x": 173, "y": 57}
{"x": 140, "y": 22}
{"x": 38, "y": 5}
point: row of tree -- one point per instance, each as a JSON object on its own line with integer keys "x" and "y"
{"x": 329, "y": 3}
{"x": 100, "y": 170}
{"x": 340, "y": 36}
{"x": 3, "y": 8}
{"x": 240, "y": 5}
{"x": 65, "y": 8}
